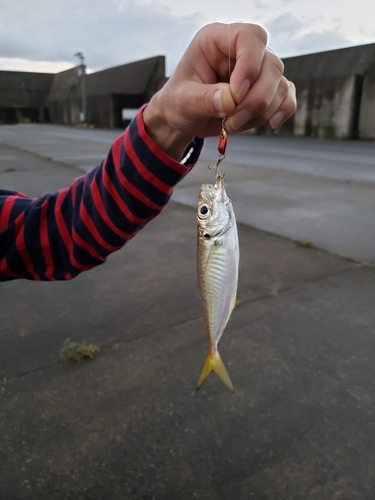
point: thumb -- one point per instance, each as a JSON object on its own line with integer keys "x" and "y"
{"x": 223, "y": 101}
{"x": 209, "y": 100}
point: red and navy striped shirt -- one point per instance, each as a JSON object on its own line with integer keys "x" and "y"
{"x": 59, "y": 235}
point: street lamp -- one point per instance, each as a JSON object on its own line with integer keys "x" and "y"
{"x": 83, "y": 90}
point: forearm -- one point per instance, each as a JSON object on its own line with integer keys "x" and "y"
{"x": 59, "y": 235}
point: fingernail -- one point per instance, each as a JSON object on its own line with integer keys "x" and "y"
{"x": 277, "y": 118}
{"x": 239, "y": 119}
{"x": 242, "y": 91}
{"x": 217, "y": 100}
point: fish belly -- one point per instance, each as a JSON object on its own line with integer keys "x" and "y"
{"x": 219, "y": 285}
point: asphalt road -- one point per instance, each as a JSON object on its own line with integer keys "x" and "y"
{"x": 344, "y": 160}
{"x": 128, "y": 424}
{"x": 319, "y": 191}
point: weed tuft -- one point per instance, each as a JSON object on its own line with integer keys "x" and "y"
{"x": 75, "y": 352}
{"x": 305, "y": 244}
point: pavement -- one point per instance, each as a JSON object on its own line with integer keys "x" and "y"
{"x": 299, "y": 347}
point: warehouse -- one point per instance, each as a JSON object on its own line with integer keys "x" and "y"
{"x": 23, "y": 96}
{"x": 335, "y": 92}
{"x": 57, "y": 98}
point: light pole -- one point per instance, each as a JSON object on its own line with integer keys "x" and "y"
{"x": 83, "y": 89}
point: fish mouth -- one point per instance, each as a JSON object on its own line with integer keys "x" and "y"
{"x": 220, "y": 186}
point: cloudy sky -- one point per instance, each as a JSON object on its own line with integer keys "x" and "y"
{"x": 44, "y": 35}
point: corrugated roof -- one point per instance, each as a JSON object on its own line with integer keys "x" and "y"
{"x": 340, "y": 63}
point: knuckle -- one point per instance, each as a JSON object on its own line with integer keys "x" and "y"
{"x": 277, "y": 64}
{"x": 284, "y": 87}
{"x": 206, "y": 100}
{"x": 260, "y": 33}
{"x": 293, "y": 104}
{"x": 260, "y": 103}
{"x": 290, "y": 101}
{"x": 280, "y": 66}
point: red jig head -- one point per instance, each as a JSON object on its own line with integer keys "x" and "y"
{"x": 222, "y": 141}
{"x": 221, "y": 147}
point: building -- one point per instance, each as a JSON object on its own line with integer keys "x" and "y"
{"x": 335, "y": 93}
{"x": 57, "y": 98}
{"x": 23, "y": 96}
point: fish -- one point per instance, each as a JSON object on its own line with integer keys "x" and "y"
{"x": 217, "y": 267}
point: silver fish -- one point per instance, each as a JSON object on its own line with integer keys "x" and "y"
{"x": 217, "y": 262}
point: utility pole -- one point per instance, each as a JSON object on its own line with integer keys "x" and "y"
{"x": 83, "y": 88}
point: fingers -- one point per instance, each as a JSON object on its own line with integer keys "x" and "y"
{"x": 280, "y": 110}
{"x": 286, "y": 109}
{"x": 259, "y": 91}
{"x": 236, "y": 49}
{"x": 264, "y": 97}
{"x": 248, "y": 47}
{"x": 199, "y": 93}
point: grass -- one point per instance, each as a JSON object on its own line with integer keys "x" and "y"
{"x": 75, "y": 352}
{"x": 305, "y": 244}
{"x": 329, "y": 131}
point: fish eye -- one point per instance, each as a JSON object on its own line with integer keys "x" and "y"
{"x": 203, "y": 211}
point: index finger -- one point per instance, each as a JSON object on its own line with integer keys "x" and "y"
{"x": 248, "y": 43}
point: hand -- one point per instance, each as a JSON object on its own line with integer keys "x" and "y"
{"x": 200, "y": 93}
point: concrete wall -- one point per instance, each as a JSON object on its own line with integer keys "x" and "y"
{"x": 24, "y": 90}
{"x": 324, "y": 108}
{"x": 335, "y": 108}
{"x": 335, "y": 93}
{"x": 300, "y": 117}
{"x": 23, "y": 95}
{"x": 65, "y": 111}
{"x": 107, "y": 92}
{"x": 64, "y": 99}
{"x": 156, "y": 80}
{"x": 99, "y": 111}
{"x": 367, "y": 107}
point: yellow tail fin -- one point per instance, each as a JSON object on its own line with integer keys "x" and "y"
{"x": 215, "y": 363}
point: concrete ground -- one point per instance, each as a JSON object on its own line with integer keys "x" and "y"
{"x": 315, "y": 190}
{"x": 129, "y": 424}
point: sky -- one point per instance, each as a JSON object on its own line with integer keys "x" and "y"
{"x": 44, "y": 35}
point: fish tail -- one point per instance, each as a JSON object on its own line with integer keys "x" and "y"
{"x": 215, "y": 363}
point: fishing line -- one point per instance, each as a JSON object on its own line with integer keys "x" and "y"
{"x": 229, "y": 21}
{"x": 230, "y": 2}
{"x": 223, "y": 138}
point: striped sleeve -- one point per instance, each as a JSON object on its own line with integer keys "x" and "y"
{"x": 59, "y": 235}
